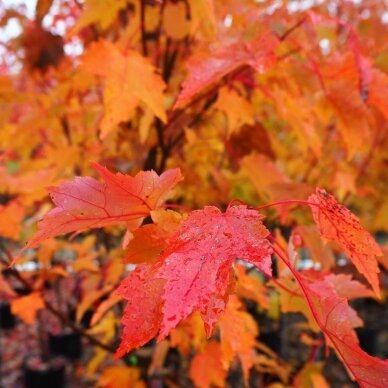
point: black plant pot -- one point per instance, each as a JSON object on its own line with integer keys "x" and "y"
{"x": 272, "y": 340}
{"x": 22, "y": 291}
{"x": 44, "y": 374}
{"x": 368, "y": 340}
{"x": 68, "y": 345}
{"x": 7, "y": 319}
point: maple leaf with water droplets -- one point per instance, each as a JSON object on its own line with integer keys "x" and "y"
{"x": 193, "y": 273}
{"x": 143, "y": 314}
{"x": 337, "y": 223}
{"x": 84, "y": 202}
{"x": 196, "y": 264}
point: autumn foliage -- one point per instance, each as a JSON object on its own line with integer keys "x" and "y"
{"x": 169, "y": 164}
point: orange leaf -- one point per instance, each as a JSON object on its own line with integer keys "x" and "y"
{"x": 251, "y": 287}
{"x": 26, "y": 307}
{"x": 123, "y": 91}
{"x": 238, "y": 336}
{"x": 320, "y": 252}
{"x": 149, "y": 240}
{"x": 119, "y": 376}
{"x": 146, "y": 245}
{"x": 206, "y": 369}
{"x": 189, "y": 334}
{"x": 11, "y": 217}
{"x": 353, "y": 116}
{"x": 263, "y": 172}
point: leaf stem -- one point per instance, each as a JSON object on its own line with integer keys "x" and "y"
{"x": 330, "y": 335}
{"x": 285, "y": 288}
{"x": 288, "y": 202}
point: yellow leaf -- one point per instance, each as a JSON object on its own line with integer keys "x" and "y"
{"x": 104, "y": 307}
{"x": 203, "y": 18}
{"x": 175, "y": 20}
{"x": 189, "y": 334}
{"x": 292, "y": 301}
{"x": 105, "y": 328}
{"x": 236, "y": 108}
{"x": 311, "y": 376}
{"x": 98, "y": 357}
{"x": 88, "y": 301}
{"x": 145, "y": 125}
{"x": 103, "y": 12}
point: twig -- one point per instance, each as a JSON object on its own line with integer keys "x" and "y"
{"x": 143, "y": 29}
{"x": 292, "y": 29}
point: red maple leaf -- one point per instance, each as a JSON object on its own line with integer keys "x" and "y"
{"x": 197, "y": 262}
{"x": 207, "y": 68}
{"x": 84, "y": 202}
{"x": 143, "y": 312}
{"x": 337, "y": 223}
{"x": 194, "y": 269}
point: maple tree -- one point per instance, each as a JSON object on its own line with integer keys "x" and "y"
{"x": 234, "y": 126}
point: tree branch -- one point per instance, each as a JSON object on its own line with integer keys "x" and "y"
{"x": 143, "y": 29}
{"x": 64, "y": 320}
